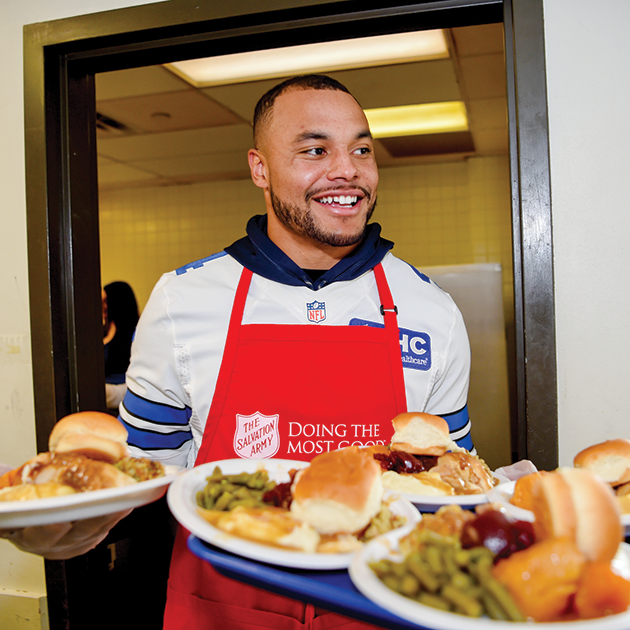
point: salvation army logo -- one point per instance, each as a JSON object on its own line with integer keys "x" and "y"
{"x": 316, "y": 311}
{"x": 256, "y": 436}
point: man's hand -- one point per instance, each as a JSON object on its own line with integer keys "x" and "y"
{"x": 62, "y": 541}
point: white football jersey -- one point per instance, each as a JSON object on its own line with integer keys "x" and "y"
{"x": 178, "y": 346}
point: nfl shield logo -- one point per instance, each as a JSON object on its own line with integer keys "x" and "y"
{"x": 316, "y": 311}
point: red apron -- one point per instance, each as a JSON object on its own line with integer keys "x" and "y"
{"x": 291, "y": 392}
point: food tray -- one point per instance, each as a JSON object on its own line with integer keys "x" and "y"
{"x": 332, "y": 590}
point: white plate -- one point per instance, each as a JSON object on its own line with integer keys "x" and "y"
{"x": 428, "y": 503}
{"x": 504, "y": 492}
{"x": 182, "y": 502}
{"x": 372, "y": 587}
{"x": 82, "y": 505}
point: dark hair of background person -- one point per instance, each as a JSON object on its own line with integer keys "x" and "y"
{"x": 122, "y": 309}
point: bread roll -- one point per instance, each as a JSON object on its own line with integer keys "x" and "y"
{"x": 91, "y": 433}
{"x": 421, "y": 434}
{"x": 340, "y": 491}
{"x": 574, "y": 503}
{"x": 610, "y": 460}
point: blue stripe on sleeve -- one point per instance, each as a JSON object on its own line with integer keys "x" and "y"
{"x": 198, "y": 263}
{"x": 155, "y": 412}
{"x": 456, "y": 422}
{"x": 151, "y": 440}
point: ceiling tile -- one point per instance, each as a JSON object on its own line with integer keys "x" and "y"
{"x": 177, "y": 143}
{"x": 168, "y": 111}
{"x": 483, "y": 76}
{"x": 478, "y": 40}
{"x": 137, "y": 82}
{"x": 429, "y": 144}
{"x": 403, "y": 84}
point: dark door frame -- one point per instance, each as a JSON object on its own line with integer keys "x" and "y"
{"x": 60, "y": 61}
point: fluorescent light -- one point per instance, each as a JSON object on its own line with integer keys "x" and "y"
{"x": 410, "y": 120}
{"x": 321, "y": 57}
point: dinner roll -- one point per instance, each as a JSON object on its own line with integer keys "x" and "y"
{"x": 575, "y": 503}
{"x": 421, "y": 434}
{"x": 610, "y": 460}
{"x": 340, "y": 491}
{"x": 91, "y": 433}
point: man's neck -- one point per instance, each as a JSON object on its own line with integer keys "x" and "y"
{"x": 303, "y": 251}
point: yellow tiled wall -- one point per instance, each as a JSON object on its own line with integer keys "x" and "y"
{"x": 437, "y": 214}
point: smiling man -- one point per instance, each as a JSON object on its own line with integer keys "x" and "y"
{"x": 306, "y": 336}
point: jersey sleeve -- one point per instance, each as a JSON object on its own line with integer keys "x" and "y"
{"x": 449, "y": 395}
{"x": 156, "y": 410}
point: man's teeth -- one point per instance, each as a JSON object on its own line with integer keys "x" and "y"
{"x": 343, "y": 200}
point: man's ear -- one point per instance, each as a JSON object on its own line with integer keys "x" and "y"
{"x": 258, "y": 168}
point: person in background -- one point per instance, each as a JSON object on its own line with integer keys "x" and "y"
{"x": 120, "y": 318}
{"x": 309, "y": 324}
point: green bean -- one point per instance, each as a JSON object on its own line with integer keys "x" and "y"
{"x": 223, "y": 501}
{"x": 434, "y": 601}
{"x": 437, "y": 572}
{"x": 434, "y": 559}
{"x": 409, "y": 585}
{"x": 462, "y": 602}
{"x": 224, "y": 492}
{"x": 493, "y": 610}
{"x": 504, "y": 599}
{"x": 462, "y": 580}
{"x": 422, "y": 573}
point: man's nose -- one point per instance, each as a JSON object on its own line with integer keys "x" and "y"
{"x": 342, "y": 166}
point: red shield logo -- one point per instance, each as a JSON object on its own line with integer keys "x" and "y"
{"x": 256, "y": 436}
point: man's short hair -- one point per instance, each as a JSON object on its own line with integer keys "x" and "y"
{"x": 264, "y": 107}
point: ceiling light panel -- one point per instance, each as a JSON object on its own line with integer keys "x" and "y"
{"x": 320, "y": 57}
{"x": 409, "y": 120}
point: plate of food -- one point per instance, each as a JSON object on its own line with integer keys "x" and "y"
{"x": 609, "y": 460}
{"x": 86, "y": 473}
{"x": 423, "y": 465}
{"x": 290, "y": 513}
{"x": 486, "y": 570}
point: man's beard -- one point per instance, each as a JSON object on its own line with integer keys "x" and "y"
{"x": 303, "y": 221}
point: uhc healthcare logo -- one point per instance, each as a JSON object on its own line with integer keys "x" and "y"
{"x": 415, "y": 347}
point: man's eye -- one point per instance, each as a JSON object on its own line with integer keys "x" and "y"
{"x": 315, "y": 151}
{"x": 364, "y": 151}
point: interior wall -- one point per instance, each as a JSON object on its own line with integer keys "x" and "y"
{"x": 588, "y": 80}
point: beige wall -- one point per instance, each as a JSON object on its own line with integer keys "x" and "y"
{"x": 588, "y": 77}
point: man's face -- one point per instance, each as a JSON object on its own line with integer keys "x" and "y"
{"x": 320, "y": 172}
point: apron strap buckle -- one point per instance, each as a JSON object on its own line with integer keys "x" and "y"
{"x": 383, "y": 309}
